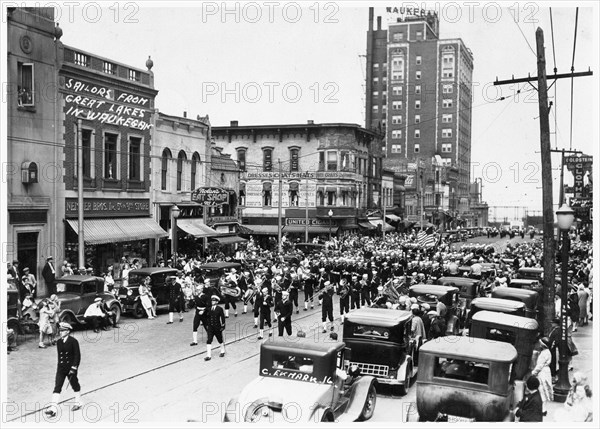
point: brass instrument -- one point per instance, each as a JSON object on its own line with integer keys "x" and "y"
{"x": 234, "y": 291}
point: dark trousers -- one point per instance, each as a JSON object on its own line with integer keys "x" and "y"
{"x": 355, "y": 301}
{"x": 229, "y": 300}
{"x": 95, "y": 322}
{"x": 61, "y": 374}
{"x": 308, "y": 295}
{"x": 214, "y": 332}
{"x": 287, "y": 324}
{"x": 294, "y": 298}
{"x": 365, "y": 297}
{"x": 327, "y": 313}
{"x": 345, "y": 305}
{"x": 265, "y": 317}
{"x": 197, "y": 321}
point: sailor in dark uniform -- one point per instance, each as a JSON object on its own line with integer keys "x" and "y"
{"x": 69, "y": 358}
{"x": 215, "y": 325}
{"x": 201, "y": 302}
{"x": 176, "y": 301}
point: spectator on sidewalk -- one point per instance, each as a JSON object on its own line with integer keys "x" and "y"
{"x": 94, "y": 316}
{"x": 583, "y": 298}
{"x": 542, "y": 372}
{"x": 579, "y": 406}
{"x": 530, "y": 408}
{"x": 45, "y": 324}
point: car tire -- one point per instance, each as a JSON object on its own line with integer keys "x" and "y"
{"x": 138, "y": 310}
{"x": 67, "y": 318}
{"x": 327, "y": 416}
{"x": 403, "y": 388}
{"x": 15, "y": 326}
{"x": 369, "y": 406}
{"x": 116, "y": 310}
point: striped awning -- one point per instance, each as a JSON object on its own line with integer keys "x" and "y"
{"x": 101, "y": 231}
{"x": 230, "y": 239}
{"x": 263, "y": 229}
{"x": 196, "y": 228}
{"x": 383, "y": 224}
{"x": 366, "y": 225}
{"x": 312, "y": 229}
{"x": 393, "y": 217}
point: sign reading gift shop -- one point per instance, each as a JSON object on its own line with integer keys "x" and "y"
{"x": 108, "y": 207}
{"x": 210, "y": 197}
{"x": 106, "y": 105}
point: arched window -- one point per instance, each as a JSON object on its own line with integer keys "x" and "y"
{"x": 181, "y": 158}
{"x": 164, "y": 168}
{"x": 195, "y": 164}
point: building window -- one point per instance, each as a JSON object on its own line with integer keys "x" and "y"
{"x": 418, "y": 75}
{"x": 446, "y": 162}
{"x": 397, "y": 105}
{"x": 447, "y": 132}
{"x": 321, "y": 161}
{"x": 397, "y": 90}
{"x": 417, "y": 104}
{"x": 25, "y": 96}
{"x": 396, "y": 134}
{"x": 417, "y": 119}
{"x": 331, "y": 161}
{"x": 417, "y": 89}
{"x": 375, "y": 109}
{"x": 81, "y": 60}
{"x": 321, "y": 198}
{"x": 164, "y": 168}
{"x": 384, "y": 108}
{"x": 135, "y": 160}
{"x": 446, "y": 147}
{"x": 375, "y": 81}
{"x": 134, "y": 75}
{"x": 345, "y": 160}
{"x": 447, "y": 103}
{"x": 447, "y": 88}
{"x": 448, "y": 74}
{"x": 398, "y": 68}
{"x": 417, "y": 134}
{"x": 267, "y": 159}
{"x": 294, "y": 196}
{"x": 419, "y": 35}
{"x": 86, "y": 143}
{"x": 447, "y": 118}
{"x": 267, "y": 194}
{"x": 331, "y": 198}
{"x": 383, "y": 122}
{"x": 108, "y": 68}
{"x": 195, "y": 164}
{"x": 398, "y": 37}
{"x": 294, "y": 160}
{"x": 110, "y": 156}
{"x": 397, "y": 119}
{"x": 419, "y": 60}
{"x": 375, "y": 94}
{"x": 181, "y": 158}
{"x": 396, "y": 148}
{"x": 242, "y": 195}
{"x": 417, "y": 148}
{"x": 376, "y": 66}
{"x": 241, "y": 159}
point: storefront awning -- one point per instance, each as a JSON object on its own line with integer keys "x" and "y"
{"x": 196, "y": 228}
{"x": 231, "y": 239}
{"x": 366, "y": 225}
{"x": 263, "y": 229}
{"x": 393, "y": 217}
{"x": 312, "y": 229}
{"x": 383, "y": 224}
{"x": 101, "y": 231}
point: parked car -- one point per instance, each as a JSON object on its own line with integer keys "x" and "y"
{"x": 528, "y": 284}
{"x": 213, "y": 272}
{"x": 469, "y": 289}
{"x": 303, "y": 378}
{"x": 531, "y": 273}
{"x": 381, "y": 344}
{"x": 129, "y": 295}
{"x": 448, "y": 295}
{"x": 498, "y": 305}
{"x": 76, "y": 293}
{"x": 521, "y": 332}
{"x": 466, "y": 379}
{"x": 527, "y": 297}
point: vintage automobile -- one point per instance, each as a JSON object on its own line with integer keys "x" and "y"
{"x": 498, "y": 305}
{"x": 531, "y": 273}
{"x": 76, "y": 293}
{"x": 213, "y": 271}
{"x": 304, "y": 380}
{"x": 468, "y": 289}
{"x": 528, "y": 284}
{"x": 466, "y": 379}
{"x": 130, "y": 295}
{"x": 527, "y": 297}
{"x": 449, "y": 296}
{"x": 521, "y": 332}
{"x": 381, "y": 344}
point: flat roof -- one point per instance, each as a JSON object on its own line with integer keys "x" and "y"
{"x": 500, "y": 303}
{"x": 469, "y": 348}
{"x": 378, "y": 316}
{"x": 76, "y": 278}
{"x": 152, "y": 270}
{"x": 506, "y": 320}
{"x": 438, "y": 290}
{"x": 302, "y": 345}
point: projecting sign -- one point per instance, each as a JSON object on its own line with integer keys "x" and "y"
{"x": 210, "y": 196}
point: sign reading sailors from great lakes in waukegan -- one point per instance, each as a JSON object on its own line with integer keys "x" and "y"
{"x": 106, "y": 105}
{"x": 210, "y": 197}
{"x": 108, "y": 207}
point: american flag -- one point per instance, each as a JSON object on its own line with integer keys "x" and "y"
{"x": 426, "y": 238}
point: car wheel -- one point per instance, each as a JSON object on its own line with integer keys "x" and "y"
{"x": 67, "y": 318}
{"x": 15, "y": 326}
{"x": 327, "y": 416}
{"x": 369, "y": 407}
{"x": 403, "y": 388}
{"x": 116, "y": 310}
{"x": 138, "y": 310}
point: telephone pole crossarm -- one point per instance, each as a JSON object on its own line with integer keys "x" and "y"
{"x": 550, "y": 77}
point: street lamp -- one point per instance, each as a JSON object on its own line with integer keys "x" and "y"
{"x": 330, "y": 213}
{"x": 174, "y": 215}
{"x": 565, "y": 217}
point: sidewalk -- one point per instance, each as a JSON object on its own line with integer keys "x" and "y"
{"x": 583, "y": 363}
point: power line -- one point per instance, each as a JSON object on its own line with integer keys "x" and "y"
{"x": 527, "y": 41}
{"x": 572, "y": 80}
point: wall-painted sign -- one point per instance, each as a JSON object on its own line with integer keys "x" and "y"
{"x": 210, "y": 196}
{"x": 256, "y": 193}
{"x": 108, "y": 207}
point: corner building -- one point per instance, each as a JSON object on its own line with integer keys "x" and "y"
{"x": 418, "y": 92}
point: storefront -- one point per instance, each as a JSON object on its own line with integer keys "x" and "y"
{"x": 112, "y": 229}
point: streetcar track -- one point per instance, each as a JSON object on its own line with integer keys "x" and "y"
{"x": 174, "y": 362}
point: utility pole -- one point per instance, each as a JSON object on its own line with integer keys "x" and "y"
{"x": 279, "y": 211}
{"x": 546, "y": 161}
{"x": 383, "y": 222}
{"x": 306, "y": 214}
{"x": 80, "y": 237}
{"x": 422, "y": 192}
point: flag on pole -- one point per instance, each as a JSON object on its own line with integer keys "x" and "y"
{"x": 426, "y": 238}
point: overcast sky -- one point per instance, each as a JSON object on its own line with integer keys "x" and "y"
{"x": 284, "y": 64}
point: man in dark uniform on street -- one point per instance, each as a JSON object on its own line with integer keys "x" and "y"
{"x": 69, "y": 358}
{"x": 284, "y": 310}
{"x": 201, "y": 302}
{"x": 326, "y": 296}
{"x": 176, "y": 301}
{"x": 215, "y": 325}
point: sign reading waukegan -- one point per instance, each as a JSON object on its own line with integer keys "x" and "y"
{"x": 210, "y": 196}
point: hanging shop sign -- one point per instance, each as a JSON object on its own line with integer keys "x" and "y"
{"x": 210, "y": 196}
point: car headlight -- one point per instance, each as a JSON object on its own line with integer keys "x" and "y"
{"x": 129, "y": 292}
{"x": 263, "y": 412}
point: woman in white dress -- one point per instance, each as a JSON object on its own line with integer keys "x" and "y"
{"x": 542, "y": 372}
{"x": 145, "y": 298}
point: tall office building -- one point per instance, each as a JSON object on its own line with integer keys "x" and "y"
{"x": 418, "y": 91}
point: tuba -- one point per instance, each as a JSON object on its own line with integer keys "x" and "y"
{"x": 232, "y": 290}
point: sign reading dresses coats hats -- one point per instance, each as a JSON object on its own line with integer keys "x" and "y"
{"x": 210, "y": 196}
